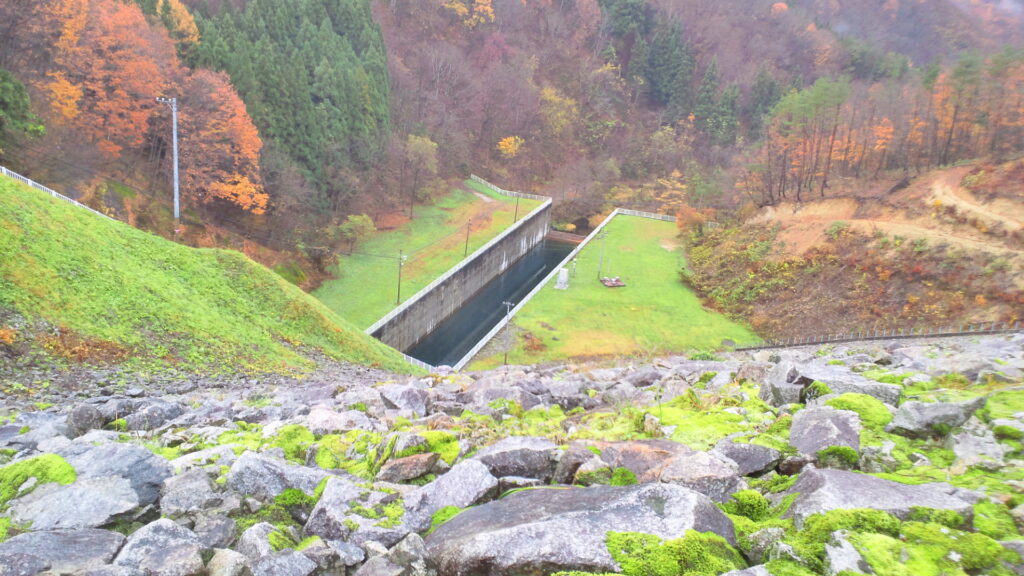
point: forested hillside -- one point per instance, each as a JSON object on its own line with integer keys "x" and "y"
{"x": 296, "y": 115}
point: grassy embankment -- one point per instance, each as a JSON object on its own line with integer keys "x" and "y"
{"x": 364, "y": 287}
{"x": 654, "y": 314}
{"x": 79, "y": 287}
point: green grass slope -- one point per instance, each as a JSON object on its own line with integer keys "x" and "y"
{"x": 106, "y": 291}
{"x": 654, "y": 314}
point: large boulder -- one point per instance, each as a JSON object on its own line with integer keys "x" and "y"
{"x": 780, "y": 387}
{"x": 547, "y": 530}
{"x": 815, "y": 429}
{"x": 265, "y": 477}
{"x": 403, "y": 397}
{"x": 327, "y": 520}
{"x": 842, "y": 381}
{"x": 188, "y": 492}
{"x": 920, "y": 419}
{"x": 823, "y": 490}
{"x": 286, "y": 563}
{"x": 644, "y": 458}
{"x": 467, "y": 483}
{"x": 86, "y": 503}
{"x": 525, "y": 456}
{"x": 704, "y": 473}
{"x": 66, "y": 551}
{"x": 83, "y": 418}
{"x": 162, "y": 548}
{"x": 144, "y": 470}
{"x": 324, "y": 420}
{"x": 750, "y": 459}
{"x": 408, "y": 468}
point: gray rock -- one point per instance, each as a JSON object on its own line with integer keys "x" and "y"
{"x": 841, "y": 556}
{"x": 920, "y": 419}
{"x": 752, "y": 571}
{"x": 704, "y": 473}
{"x": 83, "y": 418}
{"x": 762, "y": 541}
{"x": 323, "y": 420}
{"x": 975, "y": 444}
{"x": 779, "y": 388}
{"x": 87, "y": 503}
{"x": 162, "y": 548}
{"x": 215, "y": 531}
{"x": 526, "y": 456}
{"x": 220, "y": 455}
{"x": 144, "y": 470}
{"x": 286, "y": 563}
{"x": 405, "y": 398}
{"x": 467, "y": 483}
{"x": 188, "y": 492}
{"x": 411, "y": 550}
{"x": 321, "y": 554}
{"x": 17, "y": 564}
{"x": 815, "y": 429}
{"x": 153, "y": 415}
{"x": 266, "y": 477}
{"x": 1016, "y": 546}
{"x": 750, "y": 459}
{"x": 408, "y": 468}
{"x": 544, "y": 531}
{"x": 841, "y": 381}
{"x": 66, "y": 550}
{"x": 253, "y": 543}
{"x": 228, "y": 563}
{"x": 823, "y": 490}
{"x": 379, "y": 566}
{"x": 348, "y": 554}
{"x": 327, "y": 519}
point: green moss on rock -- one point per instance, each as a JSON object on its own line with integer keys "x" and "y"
{"x": 750, "y": 504}
{"x": 623, "y": 477}
{"x": 443, "y": 515}
{"x": 45, "y": 469}
{"x": 838, "y": 457}
{"x": 694, "y": 554}
{"x": 994, "y": 520}
{"x": 294, "y": 439}
{"x": 873, "y": 413}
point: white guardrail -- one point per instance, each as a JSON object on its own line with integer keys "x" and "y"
{"x": 39, "y": 186}
{"x": 508, "y": 317}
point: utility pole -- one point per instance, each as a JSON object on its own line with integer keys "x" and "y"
{"x": 508, "y": 327}
{"x": 401, "y": 262}
{"x": 173, "y": 103}
{"x": 516, "y": 217}
{"x": 469, "y": 226}
{"x": 600, "y": 263}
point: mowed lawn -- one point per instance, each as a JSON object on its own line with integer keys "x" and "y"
{"x": 365, "y": 283}
{"x": 653, "y": 314}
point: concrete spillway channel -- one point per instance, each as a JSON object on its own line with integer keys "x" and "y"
{"x": 442, "y": 322}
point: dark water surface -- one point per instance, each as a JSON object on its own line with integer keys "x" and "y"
{"x": 457, "y": 335}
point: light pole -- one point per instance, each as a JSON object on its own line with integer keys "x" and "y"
{"x": 173, "y": 103}
{"x": 401, "y": 262}
{"x": 600, "y": 263}
{"x": 508, "y": 327}
{"x": 516, "y": 217}
{"x": 469, "y": 226}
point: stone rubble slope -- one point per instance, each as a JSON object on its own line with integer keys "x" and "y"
{"x": 886, "y": 457}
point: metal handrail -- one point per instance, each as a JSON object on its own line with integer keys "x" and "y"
{"x": 58, "y": 195}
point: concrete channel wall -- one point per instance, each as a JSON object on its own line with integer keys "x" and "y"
{"x": 417, "y": 317}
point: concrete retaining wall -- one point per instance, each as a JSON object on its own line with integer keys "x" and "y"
{"x": 417, "y": 317}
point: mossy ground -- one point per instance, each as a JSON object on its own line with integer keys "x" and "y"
{"x": 654, "y": 314}
{"x": 365, "y": 283}
{"x": 139, "y": 299}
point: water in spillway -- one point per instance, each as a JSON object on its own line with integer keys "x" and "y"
{"x": 457, "y": 335}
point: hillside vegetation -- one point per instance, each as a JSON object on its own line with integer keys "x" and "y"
{"x": 80, "y": 287}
